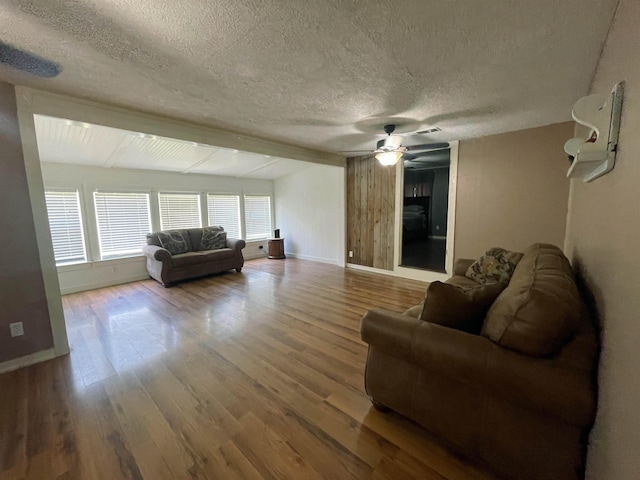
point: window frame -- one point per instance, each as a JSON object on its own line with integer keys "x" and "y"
{"x": 244, "y": 205}
{"x": 198, "y": 195}
{"x": 81, "y": 219}
{"x": 94, "y": 191}
{"x": 239, "y": 196}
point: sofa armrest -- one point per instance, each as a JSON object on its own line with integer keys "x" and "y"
{"x": 236, "y": 243}
{"x": 461, "y": 266}
{"x": 538, "y": 384}
{"x": 157, "y": 253}
{"x": 433, "y": 347}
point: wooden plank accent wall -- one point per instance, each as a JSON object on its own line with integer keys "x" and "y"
{"x": 370, "y": 212}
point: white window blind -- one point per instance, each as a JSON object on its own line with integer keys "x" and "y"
{"x": 66, "y": 226}
{"x": 123, "y": 222}
{"x": 257, "y": 213}
{"x": 179, "y": 210}
{"x": 224, "y": 210}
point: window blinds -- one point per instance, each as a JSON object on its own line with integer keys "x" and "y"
{"x": 66, "y": 226}
{"x": 179, "y": 210}
{"x": 224, "y": 210}
{"x": 257, "y": 212}
{"x": 123, "y": 222}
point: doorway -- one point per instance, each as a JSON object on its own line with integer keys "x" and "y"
{"x": 425, "y": 210}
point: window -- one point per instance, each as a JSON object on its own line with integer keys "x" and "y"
{"x": 123, "y": 222}
{"x": 179, "y": 210}
{"x": 257, "y": 212}
{"x": 66, "y": 226}
{"x": 225, "y": 210}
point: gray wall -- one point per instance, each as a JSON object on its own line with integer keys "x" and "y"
{"x": 512, "y": 190}
{"x": 22, "y": 294}
{"x": 603, "y": 235}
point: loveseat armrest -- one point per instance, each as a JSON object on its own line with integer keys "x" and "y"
{"x": 461, "y": 266}
{"x": 236, "y": 243}
{"x": 157, "y": 253}
{"x": 538, "y": 384}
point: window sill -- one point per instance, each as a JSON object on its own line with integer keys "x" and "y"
{"x": 100, "y": 263}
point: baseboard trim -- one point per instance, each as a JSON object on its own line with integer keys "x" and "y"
{"x": 372, "y": 269}
{"x": 407, "y": 273}
{"x": 313, "y": 259}
{"x": 262, "y": 254}
{"x": 104, "y": 283}
{"x": 27, "y": 360}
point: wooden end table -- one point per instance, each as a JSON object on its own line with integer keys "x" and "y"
{"x": 276, "y": 248}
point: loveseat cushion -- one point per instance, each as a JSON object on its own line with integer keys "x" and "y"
{"x": 203, "y": 256}
{"x": 462, "y": 308}
{"x": 213, "y": 238}
{"x": 176, "y": 241}
{"x": 496, "y": 265}
{"x": 540, "y": 308}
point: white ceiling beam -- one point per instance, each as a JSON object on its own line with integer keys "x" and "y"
{"x": 56, "y": 105}
{"x": 253, "y": 170}
{"x": 122, "y": 146}
{"x": 206, "y": 158}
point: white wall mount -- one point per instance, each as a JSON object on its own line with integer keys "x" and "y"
{"x": 595, "y": 155}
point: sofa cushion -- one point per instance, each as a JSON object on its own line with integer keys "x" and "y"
{"x": 540, "y": 309}
{"x": 496, "y": 265}
{"x": 175, "y": 241}
{"x": 462, "y": 308}
{"x": 213, "y": 238}
{"x": 414, "y": 311}
{"x": 203, "y": 256}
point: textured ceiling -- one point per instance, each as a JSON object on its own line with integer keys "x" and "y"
{"x": 65, "y": 141}
{"x": 324, "y": 75}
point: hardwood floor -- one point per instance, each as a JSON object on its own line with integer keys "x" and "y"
{"x": 252, "y": 375}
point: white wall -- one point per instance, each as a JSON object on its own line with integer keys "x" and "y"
{"x": 603, "y": 235}
{"x": 310, "y": 213}
{"x": 85, "y": 179}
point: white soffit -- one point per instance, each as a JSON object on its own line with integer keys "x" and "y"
{"x": 322, "y": 75}
{"x": 79, "y": 143}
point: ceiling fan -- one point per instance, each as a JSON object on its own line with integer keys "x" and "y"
{"x": 27, "y": 62}
{"x": 390, "y": 150}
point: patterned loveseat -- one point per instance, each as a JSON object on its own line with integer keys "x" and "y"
{"x": 174, "y": 255}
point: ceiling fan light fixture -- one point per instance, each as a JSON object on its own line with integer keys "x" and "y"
{"x": 388, "y": 158}
{"x": 393, "y": 142}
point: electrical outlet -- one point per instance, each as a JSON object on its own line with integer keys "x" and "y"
{"x": 350, "y": 253}
{"x": 16, "y": 329}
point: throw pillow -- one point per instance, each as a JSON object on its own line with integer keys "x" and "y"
{"x": 213, "y": 238}
{"x": 462, "y": 308}
{"x": 496, "y": 265}
{"x": 175, "y": 241}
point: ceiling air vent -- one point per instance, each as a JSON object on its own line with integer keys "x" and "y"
{"x": 430, "y": 130}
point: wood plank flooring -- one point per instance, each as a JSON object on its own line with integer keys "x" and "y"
{"x": 249, "y": 376}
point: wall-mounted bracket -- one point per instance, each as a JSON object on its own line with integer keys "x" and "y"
{"x": 595, "y": 155}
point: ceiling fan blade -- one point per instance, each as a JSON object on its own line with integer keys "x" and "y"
{"x": 21, "y": 60}
{"x": 408, "y": 156}
{"x": 356, "y": 151}
{"x": 427, "y": 147}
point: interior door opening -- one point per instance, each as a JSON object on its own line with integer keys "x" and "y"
{"x": 425, "y": 211}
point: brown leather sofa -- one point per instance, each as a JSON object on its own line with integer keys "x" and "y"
{"x": 520, "y": 396}
{"x": 169, "y": 269}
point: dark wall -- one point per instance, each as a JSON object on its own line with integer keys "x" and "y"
{"x": 439, "y": 202}
{"x": 22, "y": 294}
